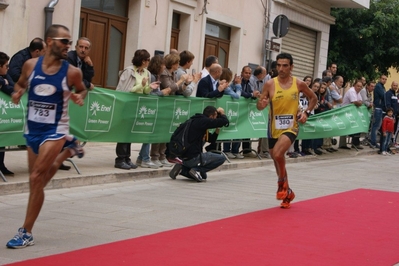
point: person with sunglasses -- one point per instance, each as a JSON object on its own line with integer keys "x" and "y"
{"x": 48, "y": 80}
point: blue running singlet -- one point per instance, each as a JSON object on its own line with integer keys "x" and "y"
{"x": 48, "y": 97}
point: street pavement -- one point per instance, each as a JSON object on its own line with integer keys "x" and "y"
{"x": 104, "y": 204}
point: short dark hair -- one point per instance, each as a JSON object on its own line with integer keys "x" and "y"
{"x": 209, "y": 110}
{"x": 327, "y": 79}
{"x": 3, "y": 58}
{"x": 36, "y": 44}
{"x": 389, "y": 109}
{"x": 139, "y": 56}
{"x": 211, "y": 59}
{"x": 185, "y": 57}
{"x": 285, "y": 56}
{"x": 52, "y": 31}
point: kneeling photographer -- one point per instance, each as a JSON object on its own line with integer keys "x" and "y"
{"x": 196, "y": 163}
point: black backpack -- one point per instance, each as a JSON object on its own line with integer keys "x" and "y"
{"x": 178, "y": 143}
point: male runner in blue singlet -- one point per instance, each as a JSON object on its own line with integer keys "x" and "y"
{"x": 49, "y": 81}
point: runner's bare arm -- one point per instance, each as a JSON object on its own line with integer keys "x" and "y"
{"x": 263, "y": 100}
{"x": 75, "y": 79}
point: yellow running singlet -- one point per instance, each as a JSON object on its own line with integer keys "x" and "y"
{"x": 283, "y": 110}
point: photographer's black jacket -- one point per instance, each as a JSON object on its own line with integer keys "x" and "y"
{"x": 197, "y": 131}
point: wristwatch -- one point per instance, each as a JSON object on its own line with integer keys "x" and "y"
{"x": 307, "y": 112}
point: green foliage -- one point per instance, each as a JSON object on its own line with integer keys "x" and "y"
{"x": 364, "y": 42}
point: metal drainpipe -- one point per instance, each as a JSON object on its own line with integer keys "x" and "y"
{"x": 49, "y": 9}
{"x": 266, "y": 53}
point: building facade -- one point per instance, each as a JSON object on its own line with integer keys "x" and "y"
{"x": 238, "y": 32}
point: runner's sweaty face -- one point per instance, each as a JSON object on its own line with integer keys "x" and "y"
{"x": 284, "y": 68}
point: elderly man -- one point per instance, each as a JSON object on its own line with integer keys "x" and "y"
{"x": 352, "y": 96}
{"x": 367, "y": 94}
{"x": 80, "y": 58}
{"x": 210, "y": 86}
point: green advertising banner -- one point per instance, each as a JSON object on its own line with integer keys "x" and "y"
{"x": 113, "y": 116}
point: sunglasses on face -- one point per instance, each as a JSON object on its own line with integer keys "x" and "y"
{"x": 63, "y": 40}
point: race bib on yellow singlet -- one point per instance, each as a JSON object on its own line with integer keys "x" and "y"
{"x": 283, "y": 121}
{"x": 42, "y": 112}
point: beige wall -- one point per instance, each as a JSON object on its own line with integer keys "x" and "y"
{"x": 393, "y": 76}
{"x": 23, "y": 20}
{"x": 149, "y": 27}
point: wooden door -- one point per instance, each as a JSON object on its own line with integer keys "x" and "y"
{"x": 217, "y": 47}
{"x": 108, "y": 36}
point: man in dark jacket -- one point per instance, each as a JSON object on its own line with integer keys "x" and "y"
{"x": 210, "y": 86}
{"x": 81, "y": 59}
{"x": 195, "y": 162}
{"x": 379, "y": 105}
{"x": 37, "y": 47}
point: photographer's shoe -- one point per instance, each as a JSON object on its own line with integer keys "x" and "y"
{"x": 286, "y": 202}
{"x": 175, "y": 171}
{"x": 196, "y": 175}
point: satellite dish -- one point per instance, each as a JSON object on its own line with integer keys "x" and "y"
{"x": 281, "y": 25}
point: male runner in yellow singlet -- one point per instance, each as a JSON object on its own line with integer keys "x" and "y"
{"x": 282, "y": 92}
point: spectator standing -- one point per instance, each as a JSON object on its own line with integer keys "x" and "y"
{"x": 37, "y": 47}
{"x": 322, "y": 106}
{"x": 196, "y": 163}
{"x": 80, "y": 58}
{"x": 352, "y": 96}
{"x": 379, "y": 106}
{"x": 367, "y": 94}
{"x": 257, "y": 81}
{"x": 308, "y": 145}
{"x": 248, "y": 92}
{"x": 336, "y": 90}
{"x": 7, "y": 87}
{"x": 388, "y": 125}
{"x": 209, "y": 61}
{"x": 190, "y": 83}
{"x": 156, "y": 68}
{"x": 231, "y": 148}
{"x": 333, "y": 68}
{"x": 168, "y": 76}
{"x": 135, "y": 78}
{"x": 210, "y": 86}
{"x": 391, "y": 101}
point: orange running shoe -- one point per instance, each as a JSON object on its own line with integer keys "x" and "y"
{"x": 282, "y": 189}
{"x": 286, "y": 202}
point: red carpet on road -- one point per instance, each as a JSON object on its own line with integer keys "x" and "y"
{"x": 359, "y": 227}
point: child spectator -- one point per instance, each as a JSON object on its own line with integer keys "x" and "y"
{"x": 387, "y": 130}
